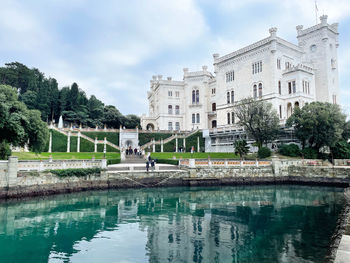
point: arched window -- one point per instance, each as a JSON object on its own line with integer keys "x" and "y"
{"x": 228, "y": 118}
{"x": 279, "y": 88}
{"x": 228, "y": 97}
{"x": 193, "y": 96}
{"x": 177, "y": 109}
{"x": 198, "y": 119}
{"x": 232, "y": 96}
{"x": 213, "y": 124}
{"x": 232, "y": 117}
{"x": 177, "y": 126}
{"x": 280, "y": 111}
{"x": 260, "y": 90}
{"x": 255, "y": 92}
{"x": 170, "y": 109}
{"x": 170, "y": 126}
{"x": 193, "y": 118}
{"x": 197, "y": 96}
{"x": 296, "y": 104}
{"x": 213, "y": 106}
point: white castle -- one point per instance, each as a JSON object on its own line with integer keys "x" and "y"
{"x": 272, "y": 69}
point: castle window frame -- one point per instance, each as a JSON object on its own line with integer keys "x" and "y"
{"x": 198, "y": 118}
{"x": 177, "y": 110}
{"x": 313, "y": 48}
{"x": 170, "y": 109}
{"x": 232, "y": 117}
{"x": 278, "y": 63}
{"x": 170, "y": 126}
{"x": 170, "y": 93}
{"x": 257, "y": 67}
{"x": 279, "y": 88}
{"x": 193, "y": 118}
{"x": 177, "y": 126}
{"x": 177, "y": 94}
{"x": 232, "y": 96}
{"x": 228, "y": 97}
{"x": 230, "y": 76}
{"x": 255, "y": 91}
{"x": 213, "y": 106}
{"x": 260, "y": 90}
{"x": 228, "y": 118}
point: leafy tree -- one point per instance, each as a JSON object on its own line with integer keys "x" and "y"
{"x": 291, "y": 150}
{"x": 112, "y": 117}
{"x": 18, "y": 125}
{"x": 341, "y": 150}
{"x": 318, "y": 124}
{"x": 259, "y": 119}
{"x": 346, "y": 131}
{"x": 264, "y": 152}
{"x": 29, "y": 98}
{"x": 241, "y": 148}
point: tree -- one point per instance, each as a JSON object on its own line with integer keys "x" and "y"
{"x": 112, "y": 117}
{"x": 318, "y": 124}
{"x": 241, "y": 148}
{"x": 18, "y": 125}
{"x": 258, "y": 119}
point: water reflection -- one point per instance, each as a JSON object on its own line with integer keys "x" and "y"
{"x": 230, "y": 224}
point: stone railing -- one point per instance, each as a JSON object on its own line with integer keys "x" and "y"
{"x": 59, "y": 164}
{"x": 193, "y": 163}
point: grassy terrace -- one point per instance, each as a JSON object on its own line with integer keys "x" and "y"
{"x": 64, "y": 156}
{"x": 169, "y": 155}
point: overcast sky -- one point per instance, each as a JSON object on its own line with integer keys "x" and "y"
{"x": 112, "y": 48}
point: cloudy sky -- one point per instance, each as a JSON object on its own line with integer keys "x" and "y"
{"x": 112, "y": 48}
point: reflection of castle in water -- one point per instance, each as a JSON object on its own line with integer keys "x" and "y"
{"x": 197, "y": 225}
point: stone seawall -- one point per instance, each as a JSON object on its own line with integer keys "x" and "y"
{"x": 45, "y": 183}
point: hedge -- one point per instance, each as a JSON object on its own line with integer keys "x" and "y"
{"x": 113, "y": 161}
{"x": 78, "y": 172}
{"x": 167, "y": 161}
{"x": 59, "y": 142}
{"x": 147, "y": 137}
{"x": 112, "y": 137}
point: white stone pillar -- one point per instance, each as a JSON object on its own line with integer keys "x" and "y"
{"x": 184, "y": 144}
{"x": 162, "y": 145}
{"x": 78, "y": 142}
{"x": 95, "y": 150}
{"x": 176, "y": 144}
{"x": 50, "y": 142}
{"x": 192, "y": 163}
{"x": 105, "y": 145}
{"x": 12, "y": 171}
{"x": 68, "y": 142}
{"x": 198, "y": 146}
{"x": 154, "y": 145}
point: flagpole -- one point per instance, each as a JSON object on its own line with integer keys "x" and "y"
{"x": 316, "y": 9}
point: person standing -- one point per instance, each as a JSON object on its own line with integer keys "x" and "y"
{"x": 147, "y": 165}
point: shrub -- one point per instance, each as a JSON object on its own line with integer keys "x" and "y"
{"x": 78, "y": 172}
{"x": 5, "y": 150}
{"x": 167, "y": 161}
{"x": 113, "y": 161}
{"x": 341, "y": 150}
{"x": 309, "y": 153}
{"x": 291, "y": 150}
{"x": 264, "y": 152}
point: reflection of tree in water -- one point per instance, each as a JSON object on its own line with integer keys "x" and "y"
{"x": 233, "y": 224}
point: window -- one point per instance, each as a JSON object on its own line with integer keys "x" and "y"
{"x": 313, "y": 48}
{"x": 287, "y": 65}
{"x": 213, "y": 124}
{"x": 230, "y": 76}
{"x": 308, "y": 88}
{"x": 280, "y": 111}
{"x": 177, "y": 94}
{"x": 213, "y": 91}
{"x": 228, "y": 118}
{"x": 255, "y": 92}
{"x": 177, "y": 109}
{"x": 197, "y": 96}
{"x": 260, "y": 90}
{"x": 232, "y": 96}
{"x": 198, "y": 118}
{"x": 193, "y": 96}
{"x": 278, "y": 63}
{"x": 170, "y": 93}
{"x": 257, "y": 67}
{"x": 170, "y": 126}
{"x": 193, "y": 118}
{"x": 334, "y": 99}
{"x": 232, "y": 117}
{"x": 170, "y": 109}
{"x": 292, "y": 87}
{"x": 228, "y": 97}
{"x": 177, "y": 126}
{"x": 279, "y": 88}
{"x": 213, "y": 106}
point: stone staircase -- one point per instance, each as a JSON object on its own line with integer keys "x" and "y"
{"x": 134, "y": 159}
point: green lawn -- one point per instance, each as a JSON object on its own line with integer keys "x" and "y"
{"x": 187, "y": 155}
{"x": 63, "y": 156}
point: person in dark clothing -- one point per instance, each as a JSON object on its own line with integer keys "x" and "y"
{"x": 147, "y": 166}
{"x": 126, "y": 151}
{"x": 135, "y": 151}
{"x": 152, "y": 164}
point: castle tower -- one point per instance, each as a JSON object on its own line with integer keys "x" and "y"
{"x": 320, "y": 44}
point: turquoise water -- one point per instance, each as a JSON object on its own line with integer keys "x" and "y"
{"x": 227, "y": 224}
